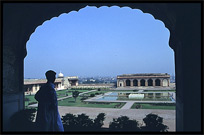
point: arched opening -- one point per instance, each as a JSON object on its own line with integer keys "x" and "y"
{"x": 178, "y": 37}
{"x": 127, "y": 82}
{"x": 165, "y": 83}
{"x": 142, "y": 82}
{"x": 150, "y": 82}
{"x": 135, "y": 82}
{"x": 121, "y": 83}
{"x": 157, "y": 82}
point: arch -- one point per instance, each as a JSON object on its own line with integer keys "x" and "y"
{"x": 127, "y": 82}
{"x": 157, "y": 82}
{"x": 121, "y": 84}
{"x": 63, "y": 9}
{"x": 169, "y": 14}
{"x": 135, "y": 82}
{"x": 165, "y": 83}
{"x": 150, "y": 82}
{"x": 142, "y": 82}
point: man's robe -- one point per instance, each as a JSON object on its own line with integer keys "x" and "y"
{"x": 48, "y": 118}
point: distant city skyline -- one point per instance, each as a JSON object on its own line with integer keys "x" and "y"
{"x": 105, "y": 41}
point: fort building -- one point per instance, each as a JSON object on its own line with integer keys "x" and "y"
{"x": 143, "y": 80}
{"x": 31, "y": 86}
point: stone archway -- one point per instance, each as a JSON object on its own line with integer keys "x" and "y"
{"x": 157, "y": 82}
{"x": 121, "y": 83}
{"x": 21, "y": 20}
{"x": 135, "y": 82}
{"x": 142, "y": 82}
{"x": 150, "y": 82}
{"x": 127, "y": 82}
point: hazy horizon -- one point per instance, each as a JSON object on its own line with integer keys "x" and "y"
{"x": 105, "y": 41}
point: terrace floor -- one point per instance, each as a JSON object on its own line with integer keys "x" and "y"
{"x": 138, "y": 114}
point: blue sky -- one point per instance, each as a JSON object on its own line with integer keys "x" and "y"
{"x": 105, "y": 41}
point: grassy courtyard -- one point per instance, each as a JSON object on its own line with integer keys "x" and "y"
{"x": 153, "y": 106}
{"x": 80, "y": 103}
{"x": 61, "y": 93}
{"x": 145, "y": 99}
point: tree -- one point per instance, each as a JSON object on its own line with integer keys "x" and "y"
{"x": 82, "y": 122}
{"x": 154, "y": 122}
{"x": 98, "y": 121}
{"x": 75, "y": 94}
{"x": 69, "y": 122}
{"x": 123, "y": 123}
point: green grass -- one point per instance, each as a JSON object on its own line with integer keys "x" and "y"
{"x": 61, "y": 93}
{"x": 152, "y": 106}
{"x": 31, "y": 99}
{"x": 79, "y": 103}
{"x": 159, "y": 90}
{"x": 145, "y": 99}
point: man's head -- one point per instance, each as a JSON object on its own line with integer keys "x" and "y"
{"x": 50, "y": 75}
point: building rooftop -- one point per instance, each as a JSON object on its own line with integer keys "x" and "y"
{"x": 38, "y": 81}
{"x": 144, "y": 74}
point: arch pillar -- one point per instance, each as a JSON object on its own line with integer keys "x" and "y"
{"x": 146, "y": 82}
{"x": 138, "y": 82}
{"x": 124, "y": 82}
{"x": 131, "y": 82}
{"x": 153, "y": 80}
{"x": 161, "y": 82}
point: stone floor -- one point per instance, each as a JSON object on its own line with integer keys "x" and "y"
{"x": 138, "y": 114}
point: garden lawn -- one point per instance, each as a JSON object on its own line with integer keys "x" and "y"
{"x": 79, "y": 103}
{"x": 145, "y": 99}
{"x": 159, "y": 90}
{"x": 31, "y": 99}
{"x": 151, "y": 106}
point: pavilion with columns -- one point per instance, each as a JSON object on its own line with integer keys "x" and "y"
{"x": 146, "y": 79}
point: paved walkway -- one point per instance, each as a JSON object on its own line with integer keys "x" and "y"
{"x": 137, "y": 114}
{"x": 128, "y": 105}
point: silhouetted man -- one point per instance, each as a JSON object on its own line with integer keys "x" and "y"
{"x": 48, "y": 118}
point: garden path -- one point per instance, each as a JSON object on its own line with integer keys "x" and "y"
{"x": 36, "y": 105}
{"x": 128, "y": 105}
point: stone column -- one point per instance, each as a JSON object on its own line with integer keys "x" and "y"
{"x": 161, "y": 82}
{"x": 153, "y": 82}
{"x": 118, "y": 85}
{"x": 146, "y": 82}
{"x": 168, "y": 82}
{"x": 124, "y": 83}
{"x": 131, "y": 82}
{"x": 138, "y": 82}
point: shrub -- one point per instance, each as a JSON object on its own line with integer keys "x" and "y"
{"x": 154, "y": 122}
{"x": 92, "y": 95}
{"x": 31, "y": 103}
{"x": 84, "y": 98}
{"x": 82, "y": 122}
{"x": 123, "y": 123}
{"x": 98, "y": 121}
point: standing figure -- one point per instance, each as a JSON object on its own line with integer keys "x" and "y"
{"x": 48, "y": 118}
